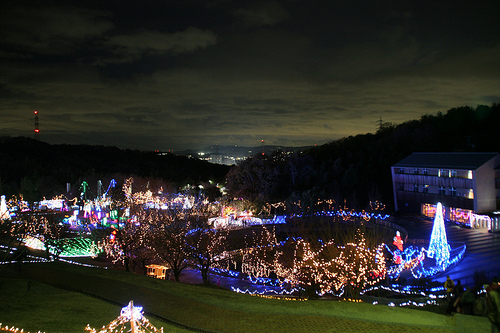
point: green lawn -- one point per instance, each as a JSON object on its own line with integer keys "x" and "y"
{"x": 52, "y": 309}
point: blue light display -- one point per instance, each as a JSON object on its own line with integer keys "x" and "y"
{"x": 439, "y": 248}
{"x": 428, "y": 262}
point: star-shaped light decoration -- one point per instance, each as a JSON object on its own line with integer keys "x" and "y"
{"x": 131, "y": 319}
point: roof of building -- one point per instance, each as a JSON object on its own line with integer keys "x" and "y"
{"x": 470, "y": 161}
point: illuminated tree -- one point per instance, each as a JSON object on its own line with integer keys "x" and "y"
{"x": 206, "y": 246}
{"x": 260, "y": 252}
{"x": 127, "y": 190}
{"x": 168, "y": 239}
{"x": 141, "y": 252}
{"x": 123, "y": 241}
{"x": 355, "y": 265}
{"x": 297, "y": 265}
{"x": 315, "y": 266}
{"x": 12, "y": 233}
{"x": 49, "y": 230}
{"x": 153, "y": 232}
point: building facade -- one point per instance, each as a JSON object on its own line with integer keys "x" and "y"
{"x": 466, "y": 184}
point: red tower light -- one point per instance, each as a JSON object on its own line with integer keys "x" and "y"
{"x": 37, "y": 125}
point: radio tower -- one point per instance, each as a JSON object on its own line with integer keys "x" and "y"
{"x": 37, "y": 124}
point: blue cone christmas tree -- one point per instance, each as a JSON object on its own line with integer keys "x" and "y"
{"x": 438, "y": 246}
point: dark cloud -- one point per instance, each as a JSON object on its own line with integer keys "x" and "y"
{"x": 262, "y": 14}
{"x": 146, "y": 43}
{"x": 48, "y": 30}
{"x": 186, "y": 74}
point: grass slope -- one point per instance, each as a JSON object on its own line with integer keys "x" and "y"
{"x": 208, "y": 309}
{"x": 55, "y": 310}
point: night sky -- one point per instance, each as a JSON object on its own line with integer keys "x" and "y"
{"x": 187, "y": 74}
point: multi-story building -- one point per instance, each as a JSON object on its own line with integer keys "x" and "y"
{"x": 466, "y": 184}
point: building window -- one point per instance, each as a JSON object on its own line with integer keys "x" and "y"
{"x": 453, "y": 173}
{"x": 425, "y": 188}
{"x": 460, "y": 215}
{"x": 415, "y": 187}
{"x": 469, "y": 175}
{"x": 471, "y": 194}
{"x": 442, "y": 190}
{"x": 442, "y": 173}
{"x": 425, "y": 172}
{"x": 453, "y": 191}
{"x": 415, "y": 171}
{"x": 401, "y": 186}
{"x": 401, "y": 170}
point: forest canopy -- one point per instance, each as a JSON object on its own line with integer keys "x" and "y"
{"x": 37, "y": 169}
{"x": 355, "y": 171}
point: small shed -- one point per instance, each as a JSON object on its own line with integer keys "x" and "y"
{"x": 157, "y": 271}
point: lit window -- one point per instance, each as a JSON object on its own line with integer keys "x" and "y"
{"x": 469, "y": 174}
{"x": 471, "y": 194}
{"x": 442, "y": 190}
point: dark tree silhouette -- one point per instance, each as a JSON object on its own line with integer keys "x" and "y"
{"x": 355, "y": 170}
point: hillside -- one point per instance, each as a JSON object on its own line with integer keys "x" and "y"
{"x": 355, "y": 171}
{"x": 361, "y": 164}
{"x": 195, "y": 307}
{"x": 38, "y": 169}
